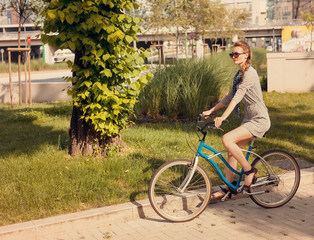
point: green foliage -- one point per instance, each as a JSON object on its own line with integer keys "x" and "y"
{"x": 259, "y": 63}
{"x": 308, "y": 18}
{"x": 38, "y": 179}
{"x": 259, "y": 60}
{"x": 106, "y": 80}
{"x": 211, "y": 18}
{"x": 188, "y": 87}
{"x": 169, "y": 14}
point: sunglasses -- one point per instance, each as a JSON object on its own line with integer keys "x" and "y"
{"x": 235, "y": 54}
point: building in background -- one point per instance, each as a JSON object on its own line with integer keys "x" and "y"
{"x": 285, "y": 10}
{"x": 283, "y": 14}
{"x": 265, "y": 12}
{"x": 257, "y": 10}
{"x": 295, "y": 36}
{"x": 299, "y": 6}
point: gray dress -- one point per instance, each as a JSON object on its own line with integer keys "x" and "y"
{"x": 256, "y": 118}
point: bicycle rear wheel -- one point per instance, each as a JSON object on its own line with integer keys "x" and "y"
{"x": 167, "y": 198}
{"x": 278, "y": 179}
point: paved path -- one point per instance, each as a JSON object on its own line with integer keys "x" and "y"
{"x": 47, "y": 86}
{"x": 233, "y": 219}
{"x": 37, "y": 76}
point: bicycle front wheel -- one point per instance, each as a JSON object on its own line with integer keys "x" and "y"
{"x": 175, "y": 200}
{"x": 278, "y": 179}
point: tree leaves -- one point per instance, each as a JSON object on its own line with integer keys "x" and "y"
{"x": 128, "y": 39}
{"x": 106, "y": 72}
{"x": 115, "y": 36}
{"x": 203, "y": 16}
{"x": 51, "y": 14}
{"x": 106, "y": 83}
{"x": 70, "y": 18}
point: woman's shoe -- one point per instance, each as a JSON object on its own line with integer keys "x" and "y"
{"x": 221, "y": 194}
{"x": 252, "y": 171}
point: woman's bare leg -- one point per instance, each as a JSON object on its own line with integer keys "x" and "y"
{"x": 231, "y": 140}
{"x": 233, "y": 163}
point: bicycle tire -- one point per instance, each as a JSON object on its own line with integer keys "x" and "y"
{"x": 173, "y": 205}
{"x": 277, "y": 181}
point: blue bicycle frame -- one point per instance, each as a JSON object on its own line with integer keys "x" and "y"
{"x": 216, "y": 153}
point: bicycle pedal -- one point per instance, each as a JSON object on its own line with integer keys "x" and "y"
{"x": 228, "y": 194}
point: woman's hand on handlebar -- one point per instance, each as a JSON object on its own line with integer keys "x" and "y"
{"x": 210, "y": 124}
{"x": 206, "y": 114}
{"x": 218, "y": 121}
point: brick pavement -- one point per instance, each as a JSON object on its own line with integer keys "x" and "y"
{"x": 225, "y": 220}
{"x": 239, "y": 218}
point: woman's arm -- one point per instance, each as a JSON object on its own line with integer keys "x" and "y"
{"x": 214, "y": 109}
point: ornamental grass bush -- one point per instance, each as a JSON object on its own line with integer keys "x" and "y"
{"x": 186, "y": 88}
{"x": 259, "y": 62}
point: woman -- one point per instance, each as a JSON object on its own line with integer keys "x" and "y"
{"x": 256, "y": 122}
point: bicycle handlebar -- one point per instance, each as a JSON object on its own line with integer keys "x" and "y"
{"x": 212, "y": 123}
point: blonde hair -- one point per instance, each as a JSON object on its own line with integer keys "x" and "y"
{"x": 247, "y": 49}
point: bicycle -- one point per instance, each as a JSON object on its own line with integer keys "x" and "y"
{"x": 181, "y": 189}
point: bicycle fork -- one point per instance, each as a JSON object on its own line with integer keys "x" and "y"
{"x": 189, "y": 176}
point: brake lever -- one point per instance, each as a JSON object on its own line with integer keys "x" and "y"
{"x": 219, "y": 128}
{"x": 199, "y": 119}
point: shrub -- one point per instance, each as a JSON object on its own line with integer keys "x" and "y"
{"x": 259, "y": 62}
{"x": 187, "y": 88}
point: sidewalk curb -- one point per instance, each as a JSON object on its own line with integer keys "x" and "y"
{"x": 38, "y": 229}
{"x": 41, "y": 92}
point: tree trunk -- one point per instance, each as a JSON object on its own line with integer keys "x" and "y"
{"x": 19, "y": 60}
{"x": 296, "y": 9}
{"x": 80, "y": 135}
{"x": 84, "y": 139}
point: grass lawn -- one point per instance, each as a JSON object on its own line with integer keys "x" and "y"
{"x": 39, "y": 179}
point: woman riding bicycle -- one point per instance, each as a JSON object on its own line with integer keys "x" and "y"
{"x": 246, "y": 88}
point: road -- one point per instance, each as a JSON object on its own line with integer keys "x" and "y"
{"x": 37, "y": 76}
